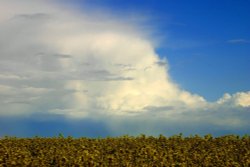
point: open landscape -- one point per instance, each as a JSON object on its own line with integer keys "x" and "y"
{"x": 112, "y": 75}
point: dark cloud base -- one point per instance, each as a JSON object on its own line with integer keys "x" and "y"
{"x": 52, "y": 127}
{"x": 30, "y": 127}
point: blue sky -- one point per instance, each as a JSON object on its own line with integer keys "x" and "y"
{"x": 111, "y": 67}
{"x": 196, "y": 40}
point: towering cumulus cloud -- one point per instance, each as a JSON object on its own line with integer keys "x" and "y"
{"x": 57, "y": 61}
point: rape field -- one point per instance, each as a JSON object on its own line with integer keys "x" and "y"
{"x": 126, "y": 151}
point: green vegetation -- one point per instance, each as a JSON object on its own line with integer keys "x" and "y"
{"x": 126, "y": 151}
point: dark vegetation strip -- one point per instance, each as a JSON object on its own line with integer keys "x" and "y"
{"x": 126, "y": 151}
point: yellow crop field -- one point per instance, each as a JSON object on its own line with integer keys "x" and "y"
{"x": 126, "y": 151}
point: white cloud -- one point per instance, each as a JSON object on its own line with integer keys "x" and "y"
{"x": 238, "y": 41}
{"x": 59, "y": 61}
{"x": 239, "y": 99}
{"x": 243, "y": 99}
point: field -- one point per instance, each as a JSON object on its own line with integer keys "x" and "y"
{"x": 126, "y": 151}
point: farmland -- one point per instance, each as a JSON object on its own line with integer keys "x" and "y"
{"x": 126, "y": 151}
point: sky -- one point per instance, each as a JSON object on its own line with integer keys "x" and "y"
{"x": 99, "y": 68}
